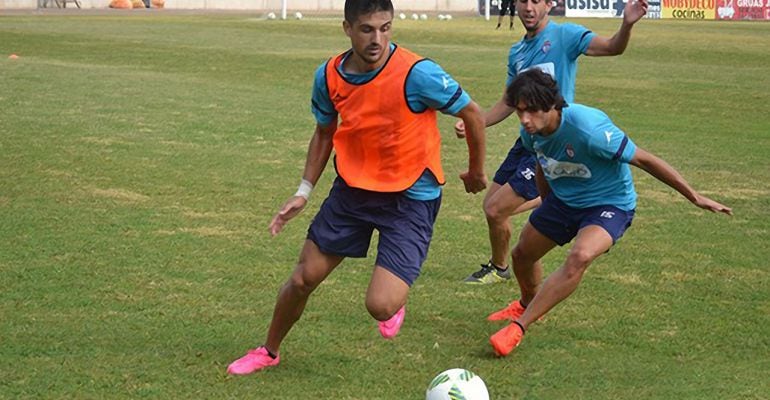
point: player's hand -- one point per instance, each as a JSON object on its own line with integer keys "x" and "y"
{"x": 474, "y": 183}
{"x": 460, "y": 129}
{"x": 290, "y": 209}
{"x": 634, "y": 11}
{"x": 711, "y": 205}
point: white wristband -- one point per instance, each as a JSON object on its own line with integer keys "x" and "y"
{"x": 305, "y": 187}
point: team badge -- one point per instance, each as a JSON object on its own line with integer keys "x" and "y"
{"x": 546, "y": 47}
{"x": 570, "y": 151}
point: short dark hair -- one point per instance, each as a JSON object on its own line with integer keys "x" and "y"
{"x": 356, "y": 8}
{"x": 537, "y": 89}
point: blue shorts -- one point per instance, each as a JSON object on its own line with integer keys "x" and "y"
{"x": 561, "y": 223}
{"x": 347, "y": 218}
{"x": 518, "y": 170}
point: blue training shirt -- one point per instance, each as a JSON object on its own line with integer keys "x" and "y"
{"x": 427, "y": 86}
{"x": 586, "y": 159}
{"x": 554, "y": 50}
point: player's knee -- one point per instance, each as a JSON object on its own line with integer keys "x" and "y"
{"x": 520, "y": 256}
{"x": 494, "y": 212}
{"x": 300, "y": 284}
{"x": 380, "y": 309}
{"x": 578, "y": 260}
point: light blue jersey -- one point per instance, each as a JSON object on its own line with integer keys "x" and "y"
{"x": 554, "y": 50}
{"x": 586, "y": 159}
{"x": 427, "y": 86}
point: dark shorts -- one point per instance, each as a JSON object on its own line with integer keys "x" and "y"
{"x": 507, "y": 4}
{"x": 348, "y": 217}
{"x": 561, "y": 223}
{"x": 518, "y": 170}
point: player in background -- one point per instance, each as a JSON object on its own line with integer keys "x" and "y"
{"x": 388, "y": 161}
{"x": 506, "y": 7}
{"x": 588, "y": 193}
{"x": 553, "y": 48}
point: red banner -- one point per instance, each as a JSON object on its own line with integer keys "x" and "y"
{"x": 743, "y": 9}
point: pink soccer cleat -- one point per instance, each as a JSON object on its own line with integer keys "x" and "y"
{"x": 389, "y": 329}
{"x": 254, "y": 360}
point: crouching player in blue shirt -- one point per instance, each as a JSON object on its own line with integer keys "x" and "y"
{"x": 587, "y": 190}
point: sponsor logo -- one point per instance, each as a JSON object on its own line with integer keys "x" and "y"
{"x": 607, "y": 214}
{"x": 690, "y": 9}
{"x": 554, "y": 169}
{"x": 570, "y": 151}
{"x": 546, "y": 47}
{"x": 588, "y": 4}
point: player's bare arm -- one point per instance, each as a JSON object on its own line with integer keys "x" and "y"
{"x": 475, "y": 178}
{"x": 665, "y": 173}
{"x": 494, "y": 115}
{"x": 616, "y": 45}
{"x": 318, "y": 153}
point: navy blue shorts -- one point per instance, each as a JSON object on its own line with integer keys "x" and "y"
{"x": 518, "y": 170}
{"x": 347, "y": 218}
{"x": 561, "y": 223}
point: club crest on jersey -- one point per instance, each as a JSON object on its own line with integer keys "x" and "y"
{"x": 546, "y": 47}
{"x": 570, "y": 151}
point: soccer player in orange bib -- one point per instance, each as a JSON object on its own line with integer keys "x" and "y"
{"x": 388, "y": 160}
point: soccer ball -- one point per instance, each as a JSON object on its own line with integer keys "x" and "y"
{"x": 424, "y": 17}
{"x": 298, "y": 15}
{"x": 448, "y": 17}
{"x": 457, "y": 383}
{"x": 415, "y": 17}
{"x": 271, "y": 15}
{"x": 402, "y": 16}
{"x": 441, "y": 17}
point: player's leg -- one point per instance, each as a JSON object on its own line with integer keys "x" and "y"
{"x": 513, "y": 191}
{"x": 501, "y": 14}
{"x": 337, "y": 231}
{"x": 498, "y": 209}
{"x": 526, "y": 255}
{"x": 386, "y": 300}
{"x": 406, "y": 229}
{"x": 599, "y": 228}
{"x": 527, "y": 267}
{"x": 513, "y": 13}
{"x": 591, "y": 242}
{"x": 313, "y": 267}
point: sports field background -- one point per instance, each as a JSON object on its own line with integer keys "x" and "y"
{"x": 142, "y": 157}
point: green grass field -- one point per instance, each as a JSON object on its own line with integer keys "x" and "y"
{"x": 142, "y": 157}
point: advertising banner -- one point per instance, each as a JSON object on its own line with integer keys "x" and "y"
{"x": 743, "y": 9}
{"x": 689, "y": 9}
{"x": 594, "y": 8}
{"x": 653, "y": 9}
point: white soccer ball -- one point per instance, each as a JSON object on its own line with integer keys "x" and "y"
{"x": 441, "y": 17}
{"x": 271, "y": 15}
{"x": 424, "y": 17}
{"x": 415, "y": 17}
{"x": 457, "y": 383}
{"x": 448, "y": 17}
{"x": 402, "y": 16}
{"x": 298, "y": 15}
